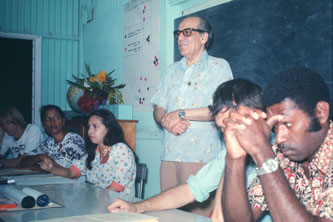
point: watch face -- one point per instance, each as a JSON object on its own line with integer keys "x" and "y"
{"x": 269, "y": 166}
{"x": 272, "y": 164}
{"x": 181, "y": 114}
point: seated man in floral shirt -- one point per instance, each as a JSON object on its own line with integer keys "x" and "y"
{"x": 294, "y": 177}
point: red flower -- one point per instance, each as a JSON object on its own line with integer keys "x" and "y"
{"x": 86, "y": 103}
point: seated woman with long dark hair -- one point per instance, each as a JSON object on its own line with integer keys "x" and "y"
{"x": 109, "y": 162}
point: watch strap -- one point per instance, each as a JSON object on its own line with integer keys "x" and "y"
{"x": 269, "y": 166}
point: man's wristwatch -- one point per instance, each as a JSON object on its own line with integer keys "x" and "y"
{"x": 181, "y": 114}
{"x": 269, "y": 166}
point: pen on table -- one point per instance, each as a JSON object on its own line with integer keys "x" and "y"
{"x": 7, "y": 181}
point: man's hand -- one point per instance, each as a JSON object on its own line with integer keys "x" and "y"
{"x": 47, "y": 163}
{"x": 252, "y": 130}
{"x": 180, "y": 128}
{"x": 119, "y": 205}
{"x": 170, "y": 119}
{"x": 234, "y": 149}
{"x": 172, "y": 123}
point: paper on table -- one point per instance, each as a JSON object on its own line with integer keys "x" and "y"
{"x": 107, "y": 217}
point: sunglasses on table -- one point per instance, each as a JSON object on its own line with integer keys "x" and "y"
{"x": 186, "y": 32}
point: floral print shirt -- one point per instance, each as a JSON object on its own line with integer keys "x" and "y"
{"x": 70, "y": 148}
{"x": 315, "y": 193}
{"x": 187, "y": 88}
{"x": 116, "y": 168}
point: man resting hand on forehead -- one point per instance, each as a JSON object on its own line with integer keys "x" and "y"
{"x": 294, "y": 176}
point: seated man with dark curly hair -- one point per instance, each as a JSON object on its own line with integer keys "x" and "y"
{"x": 295, "y": 176}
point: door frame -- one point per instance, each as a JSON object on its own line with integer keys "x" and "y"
{"x": 36, "y": 71}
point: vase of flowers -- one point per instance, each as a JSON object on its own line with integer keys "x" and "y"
{"x": 86, "y": 94}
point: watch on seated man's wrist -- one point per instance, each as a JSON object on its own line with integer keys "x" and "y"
{"x": 269, "y": 166}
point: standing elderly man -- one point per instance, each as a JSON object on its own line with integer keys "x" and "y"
{"x": 181, "y": 106}
{"x": 295, "y": 176}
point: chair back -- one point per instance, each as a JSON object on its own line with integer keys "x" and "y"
{"x": 141, "y": 176}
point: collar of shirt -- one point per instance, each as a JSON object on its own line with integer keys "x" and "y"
{"x": 202, "y": 60}
{"x": 105, "y": 151}
{"x": 324, "y": 157}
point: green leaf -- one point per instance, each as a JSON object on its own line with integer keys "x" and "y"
{"x": 109, "y": 74}
{"x": 76, "y": 78}
{"x": 88, "y": 69}
{"x": 77, "y": 85}
{"x": 99, "y": 90}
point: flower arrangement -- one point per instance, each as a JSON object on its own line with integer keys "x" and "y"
{"x": 97, "y": 90}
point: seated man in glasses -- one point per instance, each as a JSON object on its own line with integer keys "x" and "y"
{"x": 180, "y": 107}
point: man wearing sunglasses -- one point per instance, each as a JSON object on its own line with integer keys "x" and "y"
{"x": 180, "y": 107}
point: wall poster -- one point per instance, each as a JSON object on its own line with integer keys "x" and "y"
{"x": 141, "y": 53}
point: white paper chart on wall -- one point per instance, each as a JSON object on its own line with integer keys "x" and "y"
{"x": 141, "y": 53}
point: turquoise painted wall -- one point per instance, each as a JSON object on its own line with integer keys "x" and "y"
{"x": 58, "y": 23}
{"x": 72, "y": 35}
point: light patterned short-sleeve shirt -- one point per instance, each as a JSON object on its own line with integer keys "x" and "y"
{"x": 186, "y": 88}
{"x": 117, "y": 169}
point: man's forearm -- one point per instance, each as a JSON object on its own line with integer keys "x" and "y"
{"x": 159, "y": 112}
{"x": 173, "y": 198}
{"x": 217, "y": 215}
{"x": 283, "y": 204}
{"x": 12, "y": 162}
{"x": 235, "y": 201}
{"x": 198, "y": 114}
{"x": 62, "y": 171}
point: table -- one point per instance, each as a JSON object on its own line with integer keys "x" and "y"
{"x": 82, "y": 199}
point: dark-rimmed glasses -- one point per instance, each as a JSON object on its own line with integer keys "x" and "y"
{"x": 186, "y": 32}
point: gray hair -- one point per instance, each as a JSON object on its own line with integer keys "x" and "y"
{"x": 205, "y": 26}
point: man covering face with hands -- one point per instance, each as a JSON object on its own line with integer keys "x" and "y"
{"x": 294, "y": 176}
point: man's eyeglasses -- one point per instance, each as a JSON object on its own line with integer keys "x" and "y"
{"x": 186, "y": 32}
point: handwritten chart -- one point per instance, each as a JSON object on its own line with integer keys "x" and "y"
{"x": 141, "y": 53}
